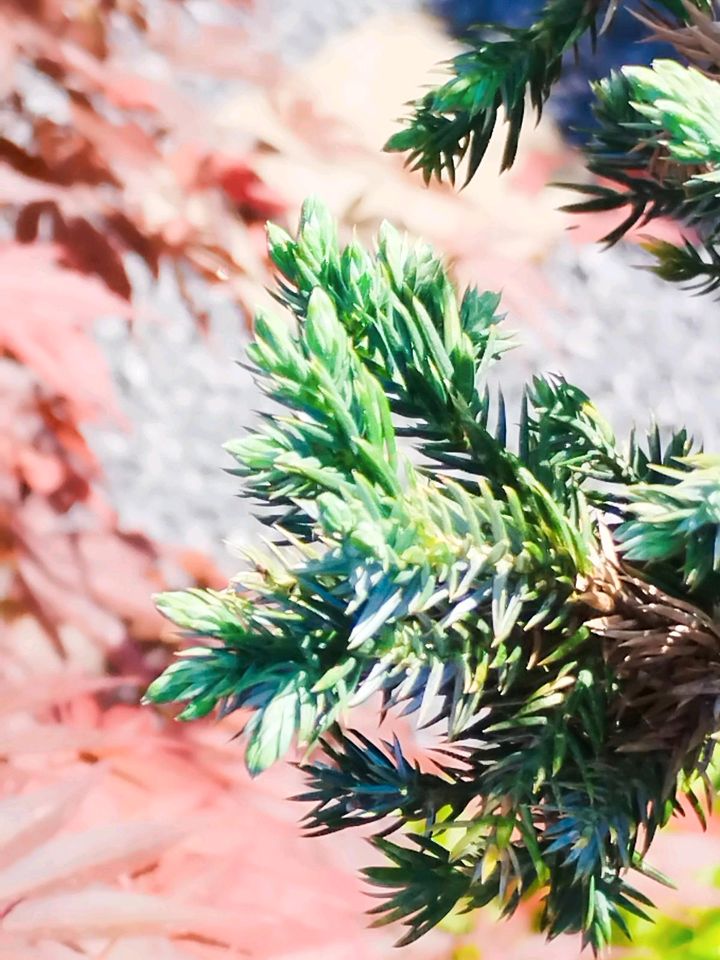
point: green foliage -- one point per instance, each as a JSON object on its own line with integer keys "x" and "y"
{"x": 502, "y": 70}
{"x": 658, "y": 144}
{"x": 678, "y": 522}
{"x": 685, "y": 263}
{"x": 497, "y": 75}
{"x": 694, "y": 936}
{"x": 418, "y": 553}
{"x": 657, "y": 141}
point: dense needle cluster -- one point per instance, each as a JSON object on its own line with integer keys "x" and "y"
{"x": 656, "y": 141}
{"x": 657, "y": 147}
{"x": 543, "y": 602}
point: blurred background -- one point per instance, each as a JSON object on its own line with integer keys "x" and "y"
{"x": 143, "y": 145}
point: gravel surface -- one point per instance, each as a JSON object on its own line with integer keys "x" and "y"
{"x": 184, "y": 396}
{"x": 296, "y": 29}
{"x": 632, "y": 342}
{"x": 638, "y": 346}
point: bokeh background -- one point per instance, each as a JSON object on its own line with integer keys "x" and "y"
{"x": 143, "y": 144}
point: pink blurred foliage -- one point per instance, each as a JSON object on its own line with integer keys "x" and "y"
{"x": 65, "y": 563}
{"x": 107, "y": 154}
{"x": 119, "y": 831}
{"x": 103, "y": 158}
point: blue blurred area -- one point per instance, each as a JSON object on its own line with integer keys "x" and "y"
{"x": 571, "y": 101}
{"x": 462, "y": 14}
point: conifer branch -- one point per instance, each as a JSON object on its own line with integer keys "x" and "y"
{"x": 658, "y": 140}
{"x": 493, "y": 81}
{"x": 495, "y": 77}
{"x": 483, "y": 586}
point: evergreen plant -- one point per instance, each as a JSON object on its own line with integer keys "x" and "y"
{"x": 544, "y": 600}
